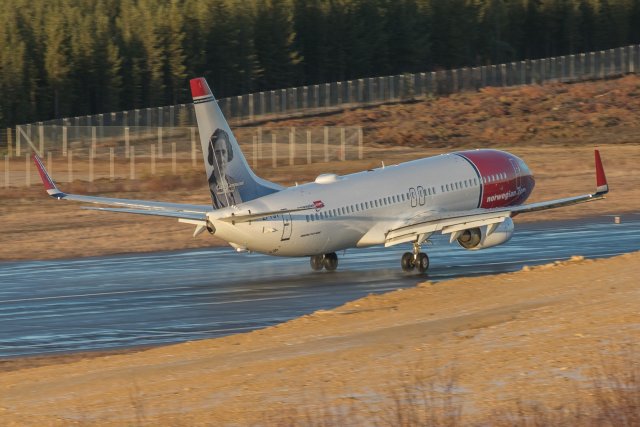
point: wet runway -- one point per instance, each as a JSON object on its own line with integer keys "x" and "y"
{"x": 132, "y": 300}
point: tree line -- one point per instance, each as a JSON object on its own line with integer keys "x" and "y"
{"x": 61, "y": 58}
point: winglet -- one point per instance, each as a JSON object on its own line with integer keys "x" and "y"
{"x": 601, "y": 179}
{"x": 49, "y": 185}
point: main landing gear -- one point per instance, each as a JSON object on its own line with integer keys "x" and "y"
{"x": 327, "y": 261}
{"x": 415, "y": 260}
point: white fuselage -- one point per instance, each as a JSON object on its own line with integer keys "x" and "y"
{"x": 358, "y": 210}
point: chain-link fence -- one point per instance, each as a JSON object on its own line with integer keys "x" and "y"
{"x": 297, "y": 101}
{"x": 111, "y": 152}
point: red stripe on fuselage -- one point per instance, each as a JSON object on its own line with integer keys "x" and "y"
{"x": 506, "y": 179}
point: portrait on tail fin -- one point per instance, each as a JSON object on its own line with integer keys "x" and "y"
{"x": 223, "y": 187}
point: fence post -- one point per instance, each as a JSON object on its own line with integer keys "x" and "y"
{"x": 292, "y": 146}
{"x": 153, "y": 159}
{"x": 132, "y": 163}
{"x": 112, "y": 169}
{"x": 94, "y": 139}
{"x": 572, "y": 67}
{"x": 41, "y": 139}
{"x": 91, "y": 166}
{"x": 308, "y": 147}
{"x": 49, "y": 163}
{"x": 631, "y": 60}
{"x": 274, "y": 151}
{"x": 27, "y": 168}
{"x": 159, "y": 142}
{"x": 251, "y": 115}
{"x": 126, "y": 142}
{"x": 9, "y": 142}
{"x": 6, "y": 171}
{"x": 326, "y": 144}
{"x": 327, "y": 95}
{"x": 174, "y": 168}
{"x": 70, "y": 165}
{"x": 193, "y": 147}
{"x": 65, "y": 141}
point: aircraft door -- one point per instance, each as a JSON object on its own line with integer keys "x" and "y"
{"x": 287, "y": 227}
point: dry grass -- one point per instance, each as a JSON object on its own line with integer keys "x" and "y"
{"x": 419, "y": 400}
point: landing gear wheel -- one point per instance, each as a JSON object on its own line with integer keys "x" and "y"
{"x": 330, "y": 261}
{"x": 407, "y": 261}
{"x": 422, "y": 263}
{"x": 316, "y": 262}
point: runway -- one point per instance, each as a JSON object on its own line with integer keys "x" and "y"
{"x": 149, "y": 299}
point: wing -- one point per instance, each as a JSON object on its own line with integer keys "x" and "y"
{"x": 454, "y": 223}
{"x": 145, "y": 207}
{"x": 191, "y": 214}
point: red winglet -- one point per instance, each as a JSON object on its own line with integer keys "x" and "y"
{"x": 199, "y": 87}
{"x": 601, "y": 179}
{"x": 44, "y": 176}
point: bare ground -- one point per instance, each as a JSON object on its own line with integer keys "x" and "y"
{"x": 534, "y": 336}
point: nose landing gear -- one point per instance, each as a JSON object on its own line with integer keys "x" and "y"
{"x": 415, "y": 260}
{"x": 327, "y": 261}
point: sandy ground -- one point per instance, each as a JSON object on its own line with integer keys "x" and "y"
{"x": 530, "y": 336}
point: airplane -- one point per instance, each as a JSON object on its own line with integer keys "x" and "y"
{"x": 470, "y": 195}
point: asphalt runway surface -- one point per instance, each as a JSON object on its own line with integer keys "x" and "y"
{"x": 149, "y": 299}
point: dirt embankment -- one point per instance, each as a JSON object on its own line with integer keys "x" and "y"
{"x": 534, "y": 336}
{"x": 553, "y": 128}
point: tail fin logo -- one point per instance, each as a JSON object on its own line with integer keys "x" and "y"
{"x": 224, "y": 189}
{"x": 318, "y": 204}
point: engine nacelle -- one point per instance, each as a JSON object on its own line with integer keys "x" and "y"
{"x": 476, "y": 238}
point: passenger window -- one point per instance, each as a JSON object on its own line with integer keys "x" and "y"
{"x": 343, "y": 211}
{"x": 442, "y": 188}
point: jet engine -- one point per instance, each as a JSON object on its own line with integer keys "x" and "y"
{"x": 477, "y": 238}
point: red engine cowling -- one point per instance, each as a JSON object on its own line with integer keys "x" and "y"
{"x": 476, "y": 238}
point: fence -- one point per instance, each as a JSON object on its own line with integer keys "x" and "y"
{"x": 92, "y": 153}
{"x": 256, "y": 107}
